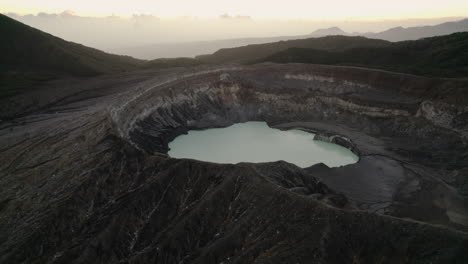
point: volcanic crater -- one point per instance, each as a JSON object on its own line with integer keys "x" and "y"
{"x": 88, "y": 177}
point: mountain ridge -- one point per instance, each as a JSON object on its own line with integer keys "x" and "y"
{"x": 192, "y": 49}
{"x": 443, "y": 56}
{"x": 328, "y": 31}
{"x": 252, "y": 53}
{"x": 414, "y": 33}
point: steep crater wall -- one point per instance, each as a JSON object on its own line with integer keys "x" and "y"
{"x": 221, "y": 98}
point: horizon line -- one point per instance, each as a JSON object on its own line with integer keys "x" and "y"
{"x": 227, "y": 16}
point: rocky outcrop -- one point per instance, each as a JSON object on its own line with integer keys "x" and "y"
{"x": 438, "y": 113}
{"x": 339, "y": 140}
{"x": 87, "y": 179}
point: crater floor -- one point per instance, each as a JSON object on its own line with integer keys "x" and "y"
{"x": 85, "y": 179}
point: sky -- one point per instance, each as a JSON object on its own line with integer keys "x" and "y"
{"x": 261, "y": 9}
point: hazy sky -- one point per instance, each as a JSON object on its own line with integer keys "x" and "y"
{"x": 311, "y": 9}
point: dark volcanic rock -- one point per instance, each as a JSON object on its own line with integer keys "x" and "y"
{"x": 85, "y": 178}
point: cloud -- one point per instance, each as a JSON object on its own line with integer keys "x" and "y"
{"x": 227, "y": 16}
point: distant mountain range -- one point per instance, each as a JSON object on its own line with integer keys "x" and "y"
{"x": 192, "y": 49}
{"x": 413, "y": 33}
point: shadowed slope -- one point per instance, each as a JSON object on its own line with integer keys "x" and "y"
{"x": 252, "y": 53}
{"x": 30, "y": 57}
{"x": 445, "y": 56}
{"x": 30, "y": 50}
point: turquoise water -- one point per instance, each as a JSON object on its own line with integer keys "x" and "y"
{"x": 257, "y": 142}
